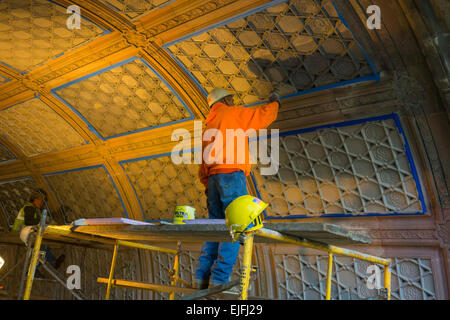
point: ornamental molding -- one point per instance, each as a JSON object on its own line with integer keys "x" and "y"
{"x": 186, "y": 16}
{"x": 408, "y": 90}
{"x": 443, "y": 232}
{"x": 403, "y": 234}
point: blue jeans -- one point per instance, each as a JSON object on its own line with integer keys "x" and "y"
{"x": 218, "y": 258}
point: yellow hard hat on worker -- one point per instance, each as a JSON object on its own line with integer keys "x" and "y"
{"x": 217, "y": 95}
{"x": 243, "y": 214}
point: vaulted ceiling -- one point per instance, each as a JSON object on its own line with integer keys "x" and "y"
{"x": 84, "y": 104}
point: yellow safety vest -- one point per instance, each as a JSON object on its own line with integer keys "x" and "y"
{"x": 20, "y": 219}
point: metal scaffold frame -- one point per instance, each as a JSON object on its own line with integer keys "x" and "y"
{"x": 330, "y": 249}
{"x": 246, "y": 239}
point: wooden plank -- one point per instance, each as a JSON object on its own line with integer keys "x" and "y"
{"x": 104, "y": 235}
{"x": 89, "y": 241}
{"x": 322, "y": 232}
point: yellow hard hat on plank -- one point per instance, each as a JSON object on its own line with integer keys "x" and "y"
{"x": 244, "y": 214}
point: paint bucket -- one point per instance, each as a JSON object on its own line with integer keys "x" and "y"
{"x": 183, "y": 213}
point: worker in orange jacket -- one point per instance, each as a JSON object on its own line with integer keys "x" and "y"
{"x": 224, "y": 174}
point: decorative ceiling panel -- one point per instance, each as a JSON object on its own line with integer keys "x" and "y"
{"x": 33, "y": 32}
{"x": 124, "y": 98}
{"x": 86, "y": 193}
{"x": 5, "y": 154}
{"x": 295, "y": 46}
{"x": 95, "y": 263}
{"x": 356, "y": 169}
{"x": 161, "y": 186}
{"x": 135, "y": 8}
{"x": 36, "y": 128}
{"x": 13, "y": 195}
{"x": 304, "y": 277}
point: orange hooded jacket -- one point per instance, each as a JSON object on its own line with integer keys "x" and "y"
{"x": 222, "y": 117}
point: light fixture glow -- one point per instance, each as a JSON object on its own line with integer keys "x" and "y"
{"x": 2, "y": 262}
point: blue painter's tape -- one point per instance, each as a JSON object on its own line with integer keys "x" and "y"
{"x": 160, "y": 155}
{"x": 10, "y": 153}
{"x": 8, "y": 66}
{"x": 334, "y": 125}
{"x": 15, "y": 104}
{"x": 191, "y": 76}
{"x": 349, "y": 123}
{"x": 257, "y": 191}
{"x": 148, "y": 128}
{"x": 377, "y": 76}
{"x": 92, "y": 129}
{"x": 37, "y": 96}
{"x": 134, "y": 190}
{"x": 240, "y": 16}
{"x": 17, "y": 180}
{"x": 115, "y": 65}
{"x": 118, "y": 194}
{"x": 411, "y": 161}
{"x": 374, "y": 77}
{"x": 73, "y": 170}
{"x": 93, "y": 167}
{"x": 325, "y": 126}
{"x": 342, "y": 215}
{"x": 254, "y": 183}
{"x": 104, "y": 32}
{"x": 330, "y": 86}
{"x": 5, "y": 79}
{"x": 337, "y": 125}
{"x": 224, "y": 22}
{"x": 171, "y": 89}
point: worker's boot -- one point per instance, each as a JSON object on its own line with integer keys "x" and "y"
{"x": 201, "y": 284}
{"x": 235, "y": 291}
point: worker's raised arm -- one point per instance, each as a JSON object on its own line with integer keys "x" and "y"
{"x": 257, "y": 117}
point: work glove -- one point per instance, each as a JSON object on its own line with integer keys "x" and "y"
{"x": 274, "y": 96}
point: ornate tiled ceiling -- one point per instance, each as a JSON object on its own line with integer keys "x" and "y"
{"x": 33, "y": 32}
{"x": 36, "y": 129}
{"x": 134, "y": 8}
{"x": 295, "y": 46}
{"x": 86, "y": 193}
{"x": 356, "y": 169}
{"x": 13, "y": 195}
{"x": 126, "y": 82}
{"x": 125, "y": 98}
{"x": 161, "y": 186}
{"x": 303, "y": 277}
